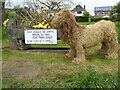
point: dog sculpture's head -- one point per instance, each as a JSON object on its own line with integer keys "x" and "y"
{"x": 64, "y": 18}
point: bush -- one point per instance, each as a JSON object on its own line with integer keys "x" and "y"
{"x": 118, "y": 30}
{"x": 98, "y": 19}
{"x": 115, "y": 18}
{"x": 86, "y": 19}
{"x": 81, "y": 19}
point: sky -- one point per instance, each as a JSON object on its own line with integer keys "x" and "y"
{"x": 90, "y": 4}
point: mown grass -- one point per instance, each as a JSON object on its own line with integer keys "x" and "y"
{"x": 23, "y": 69}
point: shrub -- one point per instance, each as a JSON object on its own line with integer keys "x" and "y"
{"x": 98, "y": 19}
{"x": 86, "y": 19}
{"x": 81, "y": 19}
{"x": 118, "y": 30}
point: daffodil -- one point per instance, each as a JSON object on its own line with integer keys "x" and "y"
{"x": 35, "y": 26}
{"x": 49, "y": 26}
{"x": 5, "y": 23}
{"x": 45, "y": 26}
{"x": 42, "y": 23}
{"x": 44, "y": 20}
{"x": 44, "y": 12}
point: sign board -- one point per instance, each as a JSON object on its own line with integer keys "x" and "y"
{"x": 41, "y": 36}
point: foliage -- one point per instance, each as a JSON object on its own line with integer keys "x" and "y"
{"x": 86, "y": 14}
{"x": 98, "y": 19}
{"x": 86, "y": 19}
{"x": 35, "y": 12}
{"x": 118, "y": 30}
{"x": 81, "y": 19}
{"x": 115, "y": 12}
{"x": 54, "y": 4}
{"x": 9, "y": 14}
{"x": 118, "y": 9}
{"x": 27, "y": 16}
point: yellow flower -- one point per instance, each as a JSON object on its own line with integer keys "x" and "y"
{"x": 42, "y": 23}
{"x": 35, "y": 26}
{"x": 44, "y": 12}
{"x": 44, "y": 20}
{"x": 49, "y": 26}
{"x": 45, "y": 26}
{"x": 5, "y": 23}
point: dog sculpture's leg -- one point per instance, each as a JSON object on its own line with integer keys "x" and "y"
{"x": 71, "y": 54}
{"x": 112, "y": 48}
{"x": 80, "y": 54}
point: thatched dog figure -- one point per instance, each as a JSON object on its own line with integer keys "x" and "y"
{"x": 82, "y": 37}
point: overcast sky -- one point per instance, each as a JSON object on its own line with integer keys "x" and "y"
{"x": 90, "y": 4}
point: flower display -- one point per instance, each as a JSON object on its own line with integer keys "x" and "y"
{"x": 42, "y": 25}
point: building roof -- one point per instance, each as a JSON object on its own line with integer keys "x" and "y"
{"x": 103, "y": 8}
{"x": 78, "y": 8}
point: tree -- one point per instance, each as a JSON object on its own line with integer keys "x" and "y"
{"x": 118, "y": 8}
{"x": 115, "y": 12}
{"x": 56, "y": 4}
{"x": 86, "y": 14}
{"x": 53, "y": 4}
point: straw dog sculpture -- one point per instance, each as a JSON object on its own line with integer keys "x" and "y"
{"x": 81, "y": 37}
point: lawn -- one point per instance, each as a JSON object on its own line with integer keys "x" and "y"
{"x": 23, "y": 69}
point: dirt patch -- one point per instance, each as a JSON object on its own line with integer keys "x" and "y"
{"x": 21, "y": 68}
{"x": 25, "y": 69}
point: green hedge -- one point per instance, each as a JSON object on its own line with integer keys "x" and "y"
{"x": 118, "y": 30}
{"x": 98, "y": 19}
{"x": 81, "y": 19}
{"x": 86, "y": 19}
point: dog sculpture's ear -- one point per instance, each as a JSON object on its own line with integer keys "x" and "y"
{"x": 66, "y": 25}
{"x": 67, "y": 28}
